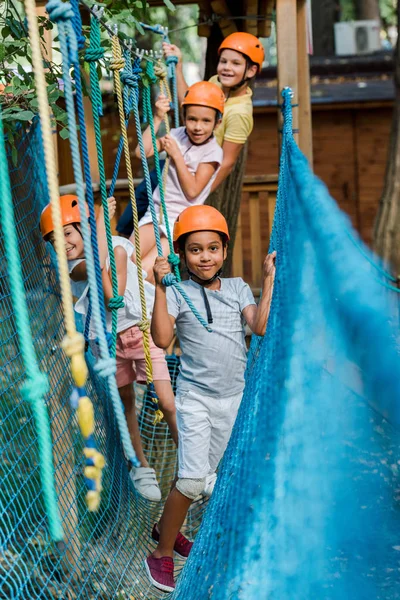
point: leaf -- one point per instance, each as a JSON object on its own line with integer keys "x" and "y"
{"x": 2, "y": 52}
{"x": 139, "y": 28}
{"x": 21, "y": 70}
{"x": 64, "y": 133}
{"x": 14, "y": 155}
{"x": 22, "y": 115}
{"x": 169, "y": 5}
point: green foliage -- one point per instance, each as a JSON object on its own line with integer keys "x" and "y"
{"x": 387, "y": 10}
{"x": 18, "y": 98}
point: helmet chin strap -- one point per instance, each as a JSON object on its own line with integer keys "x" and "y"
{"x": 204, "y": 281}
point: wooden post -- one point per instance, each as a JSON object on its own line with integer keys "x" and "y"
{"x": 286, "y": 35}
{"x": 47, "y": 51}
{"x": 304, "y": 110}
{"x": 237, "y": 260}
{"x": 255, "y": 233}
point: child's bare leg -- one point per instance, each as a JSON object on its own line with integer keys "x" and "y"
{"x": 128, "y": 398}
{"x": 149, "y": 258}
{"x": 167, "y": 404}
{"x": 147, "y": 239}
{"x": 174, "y": 514}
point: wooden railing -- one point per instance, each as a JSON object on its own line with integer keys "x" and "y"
{"x": 254, "y": 227}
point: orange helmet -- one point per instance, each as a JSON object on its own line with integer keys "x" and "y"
{"x": 199, "y": 218}
{"x": 69, "y": 214}
{"x": 245, "y": 43}
{"x": 205, "y": 93}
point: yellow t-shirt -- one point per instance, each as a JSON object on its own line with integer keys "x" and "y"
{"x": 237, "y": 121}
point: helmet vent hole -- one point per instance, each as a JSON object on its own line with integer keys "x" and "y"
{"x": 73, "y": 203}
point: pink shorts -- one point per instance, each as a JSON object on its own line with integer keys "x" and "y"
{"x": 131, "y": 362}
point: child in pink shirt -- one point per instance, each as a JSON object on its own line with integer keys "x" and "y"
{"x": 195, "y": 159}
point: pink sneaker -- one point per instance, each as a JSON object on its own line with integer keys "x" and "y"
{"x": 161, "y": 572}
{"x": 182, "y": 546}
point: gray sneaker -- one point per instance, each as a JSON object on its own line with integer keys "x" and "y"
{"x": 145, "y": 483}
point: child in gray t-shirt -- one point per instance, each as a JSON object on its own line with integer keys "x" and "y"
{"x": 211, "y": 380}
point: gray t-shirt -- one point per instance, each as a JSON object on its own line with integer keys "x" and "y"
{"x": 212, "y": 363}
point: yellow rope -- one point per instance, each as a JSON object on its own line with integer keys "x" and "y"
{"x": 116, "y": 64}
{"x": 161, "y": 72}
{"x": 73, "y": 343}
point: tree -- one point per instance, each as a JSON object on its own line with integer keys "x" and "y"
{"x": 387, "y": 225}
{"x": 367, "y": 9}
{"x": 324, "y": 15}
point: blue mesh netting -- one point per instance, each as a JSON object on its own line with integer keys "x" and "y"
{"x": 307, "y": 501}
{"x": 104, "y": 551}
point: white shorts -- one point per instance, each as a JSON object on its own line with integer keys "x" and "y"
{"x": 204, "y": 427}
{"x": 148, "y": 219}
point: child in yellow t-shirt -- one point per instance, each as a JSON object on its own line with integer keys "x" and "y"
{"x": 240, "y": 59}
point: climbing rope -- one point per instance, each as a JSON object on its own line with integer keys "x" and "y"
{"x": 92, "y": 55}
{"x": 77, "y": 24}
{"x": 73, "y": 342}
{"x": 118, "y": 63}
{"x": 171, "y": 62}
{"x": 171, "y": 278}
{"x": 173, "y": 258}
{"x": 160, "y": 72}
{"x": 36, "y": 384}
{"x": 106, "y": 366}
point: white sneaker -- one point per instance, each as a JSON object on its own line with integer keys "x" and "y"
{"x": 209, "y": 485}
{"x": 145, "y": 482}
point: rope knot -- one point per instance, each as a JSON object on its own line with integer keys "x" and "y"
{"x": 144, "y": 325}
{"x": 94, "y": 54}
{"x": 116, "y": 302}
{"x": 106, "y": 367}
{"x": 171, "y": 60}
{"x": 73, "y": 345}
{"x": 131, "y": 80}
{"x": 160, "y": 71}
{"x": 35, "y": 387}
{"x": 117, "y": 63}
{"x": 169, "y": 279}
{"x": 174, "y": 259}
{"x": 59, "y": 11}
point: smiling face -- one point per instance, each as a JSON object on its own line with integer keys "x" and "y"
{"x": 73, "y": 242}
{"x": 200, "y": 122}
{"x": 232, "y": 68}
{"x": 204, "y": 253}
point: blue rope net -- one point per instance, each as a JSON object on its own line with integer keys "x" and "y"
{"x": 104, "y": 551}
{"x": 307, "y": 503}
{"x": 307, "y": 500}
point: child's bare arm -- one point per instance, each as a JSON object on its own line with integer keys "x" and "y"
{"x": 231, "y": 154}
{"x": 192, "y": 184}
{"x": 257, "y": 316}
{"x": 162, "y": 323}
{"x": 162, "y": 107}
{"x": 122, "y": 274}
{"x": 101, "y": 229}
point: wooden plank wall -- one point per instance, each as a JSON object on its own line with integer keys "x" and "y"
{"x": 350, "y": 152}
